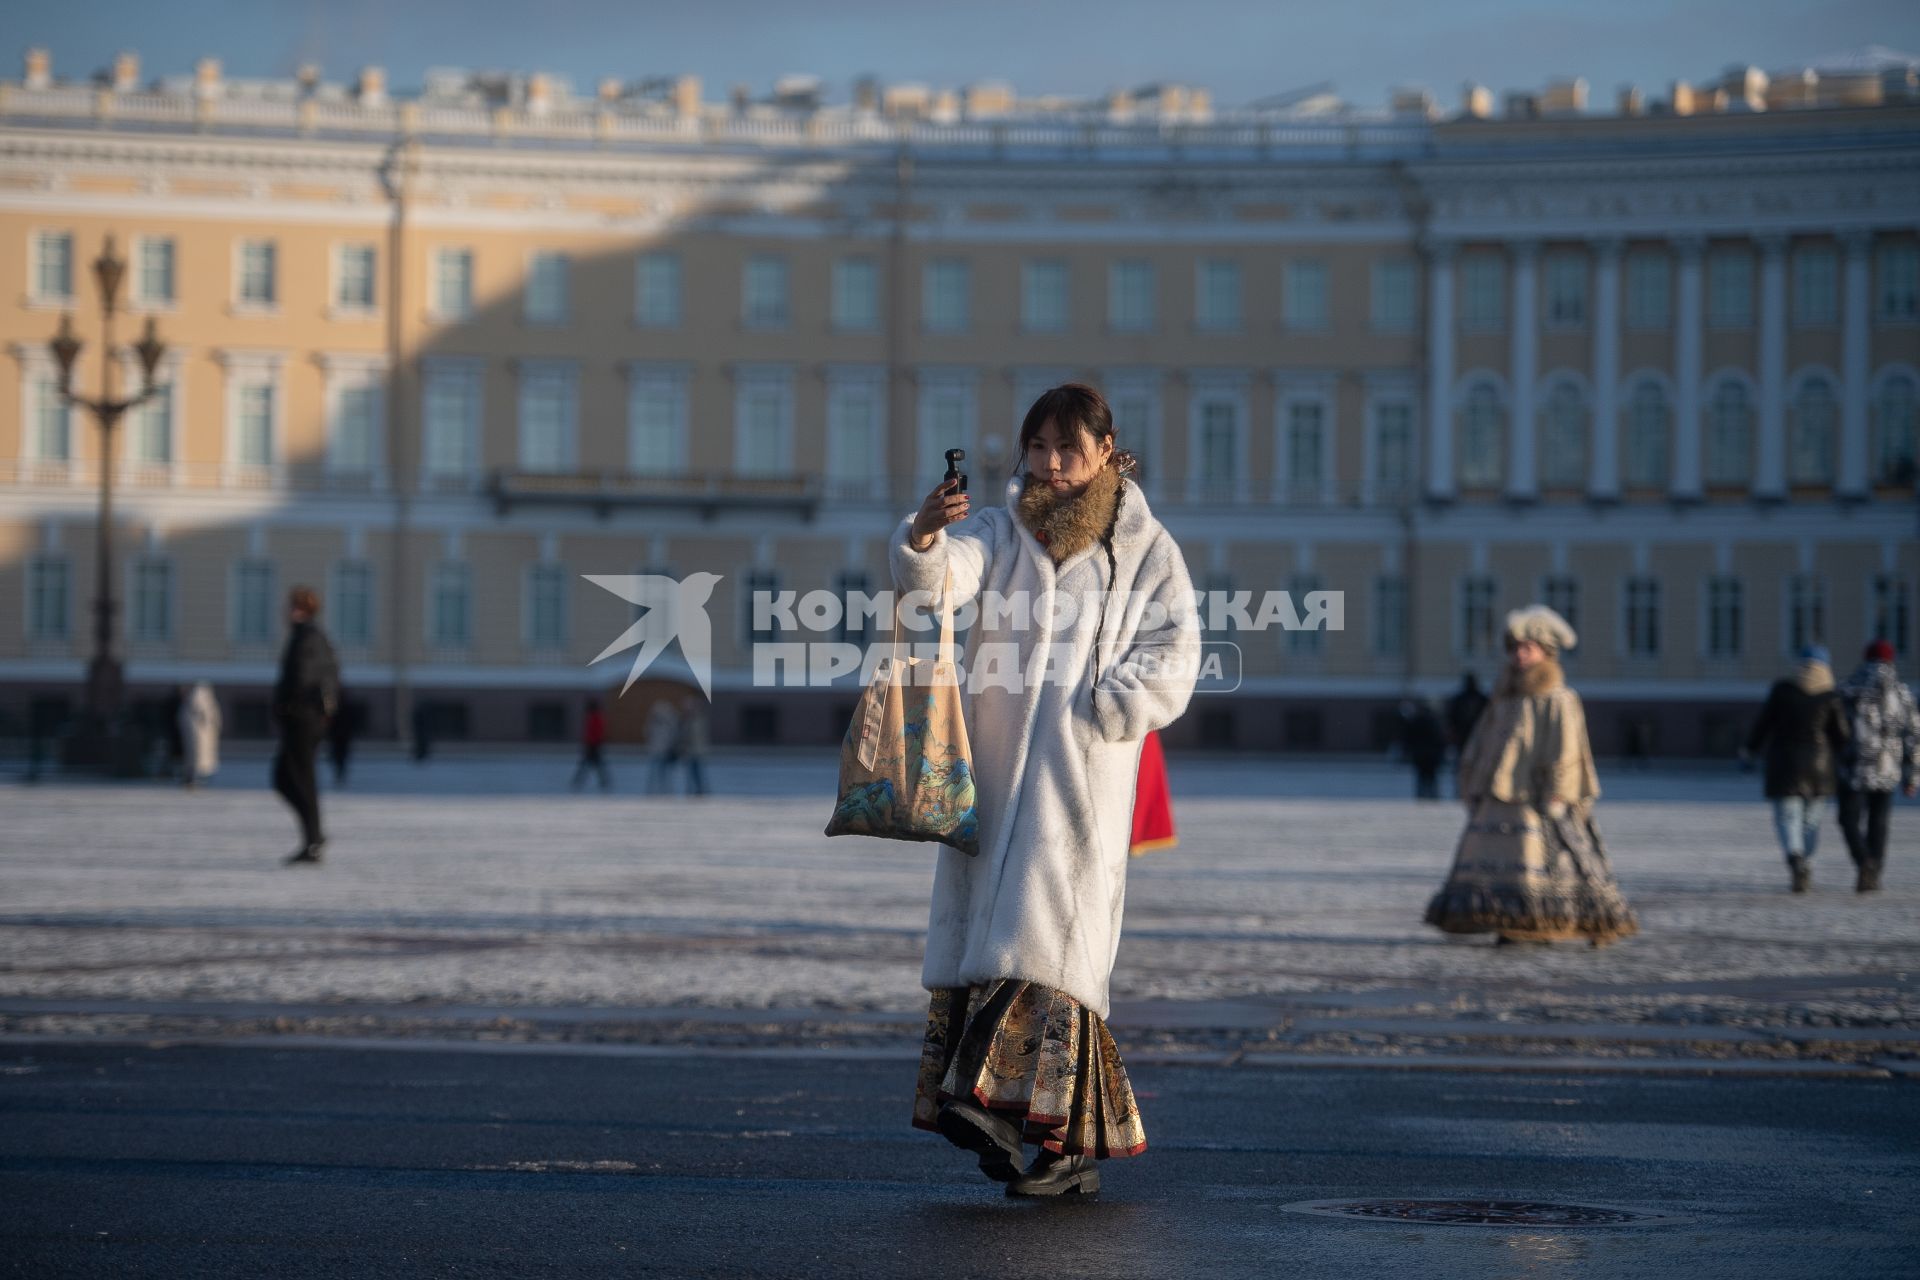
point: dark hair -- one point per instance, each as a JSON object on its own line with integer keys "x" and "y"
{"x": 1076, "y": 407}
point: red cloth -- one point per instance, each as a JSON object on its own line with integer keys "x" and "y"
{"x": 1152, "y": 801}
{"x": 595, "y": 733}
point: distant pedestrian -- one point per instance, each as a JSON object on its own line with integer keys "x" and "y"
{"x": 422, "y": 721}
{"x": 1639, "y": 741}
{"x": 198, "y": 725}
{"x": 304, "y": 700}
{"x": 593, "y": 739}
{"x": 663, "y": 743}
{"x": 176, "y": 741}
{"x": 693, "y": 743}
{"x": 1530, "y": 866}
{"x": 341, "y": 732}
{"x": 1883, "y": 732}
{"x": 1423, "y": 740}
{"x": 1803, "y": 729}
{"x": 1463, "y": 711}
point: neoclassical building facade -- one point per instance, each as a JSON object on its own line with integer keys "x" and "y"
{"x": 443, "y": 360}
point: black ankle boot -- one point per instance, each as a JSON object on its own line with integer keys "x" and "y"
{"x": 1802, "y": 871}
{"x": 1051, "y": 1175}
{"x": 995, "y": 1140}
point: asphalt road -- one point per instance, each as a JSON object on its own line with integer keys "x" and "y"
{"x": 349, "y": 1161}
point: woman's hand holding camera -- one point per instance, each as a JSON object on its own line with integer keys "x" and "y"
{"x": 942, "y": 507}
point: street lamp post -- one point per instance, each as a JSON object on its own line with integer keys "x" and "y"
{"x": 104, "y": 679}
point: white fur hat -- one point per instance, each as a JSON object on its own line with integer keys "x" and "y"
{"x": 1543, "y": 626}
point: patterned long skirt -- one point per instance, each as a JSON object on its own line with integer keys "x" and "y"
{"x": 1525, "y": 876}
{"x": 1035, "y": 1056}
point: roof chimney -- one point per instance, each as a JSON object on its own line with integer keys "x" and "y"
{"x": 686, "y": 96}
{"x": 371, "y": 86}
{"x": 1564, "y": 97}
{"x": 1631, "y": 103}
{"x": 39, "y": 70}
{"x": 126, "y": 71}
{"x": 1682, "y": 98}
{"x": 206, "y": 78}
{"x": 1476, "y": 101}
{"x": 539, "y": 93}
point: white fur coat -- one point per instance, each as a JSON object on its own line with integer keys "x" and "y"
{"x": 1055, "y": 763}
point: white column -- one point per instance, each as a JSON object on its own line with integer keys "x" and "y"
{"x": 1770, "y": 465}
{"x": 1856, "y": 304}
{"x": 1603, "y": 483}
{"x": 1440, "y": 371}
{"x": 1522, "y": 483}
{"x": 1685, "y": 481}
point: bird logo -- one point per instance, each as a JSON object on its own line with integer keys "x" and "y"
{"x": 672, "y": 608}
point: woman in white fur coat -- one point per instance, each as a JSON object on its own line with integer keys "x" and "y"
{"x": 1021, "y": 939}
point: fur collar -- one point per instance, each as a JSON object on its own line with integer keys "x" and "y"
{"x": 1542, "y": 677}
{"x": 1066, "y": 526}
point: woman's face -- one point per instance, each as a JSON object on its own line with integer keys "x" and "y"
{"x": 1525, "y": 653}
{"x": 1066, "y": 463}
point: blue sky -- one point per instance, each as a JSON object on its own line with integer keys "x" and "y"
{"x": 1241, "y": 49}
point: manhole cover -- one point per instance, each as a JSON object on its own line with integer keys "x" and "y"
{"x": 1482, "y": 1213}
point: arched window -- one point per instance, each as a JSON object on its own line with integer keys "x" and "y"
{"x": 1894, "y": 430}
{"x": 1482, "y": 433}
{"x": 1810, "y": 437}
{"x": 1729, "y": 435}
{"x": 1649, "y": 436}
{"x": 1563, "y": 420}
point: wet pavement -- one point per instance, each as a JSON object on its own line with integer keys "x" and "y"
{"x": 515, "y": 1160}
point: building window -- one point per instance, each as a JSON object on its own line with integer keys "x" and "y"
{"x": 1649, "y": 291}
{"x": 1815, "y": 292}
{"x": 1649, "y": 436}
{"x": 1729, "y": 434}
{"x": 1483, "y": 423}
{"x": 1219, "y": 448}
{"x": 1216, "y": 299}
{"x": 1390, "y": 617}
{"x": 1724, "y": 621}
{"x": 1304, "y": 642}
{"x": 946, "y": 422}
{"x": 1217, "y": 595}
{"x": 1476, "y": 616}
{"x": 1483, "y": 293}
{"x": 1130, "y": 288}
{"x": 353, "y": 277}
{"x": 1043, "y": 296}
{"x": 764, "y": 292}
{"x": 47, "y": 595}
{"x": 257, "y": 269}
{"x": 1730, "y": 288}
{"x": 1566, "y": 277}
{"x": 1899, "y": 286}
{"x": 853, "y": 437}
{"x": 1810, "y": 441}
{"x": 452, "y": 419}
{"x": 1894, "y": 414}
{"x": 763, "y": 584}
{"x": 1393, "y": 295}
{"x": 452, "y": 283}
{"x": 1561, "y": 594}
{"x": 1806, "y": 612}
{"x": 253, "y": 602}
{"x": 152, "y": 612}
{"x": 53, "y": 267}
{"x": 52, "y": 421}
{"x": 656, "y": 423}
{"x": 1642, "y": 615}
{"x": 546, "y": 607}
{"x": 546, "y": 300}
{"x": 153, "y": 426}
{"x": 1889, "y": 604}
{"x": 856, "y": 295}
{"x": 353, "y": 441}
{"x": 255, "y": 407}
{"x": 944, "y": 305}
{"x": 450, "y": 606}
{"x": 656, "y": 303}
{"x": 763, "y": 414}
{"x": 549, "y": 410}
{"x": 656, "y": 607}
{"x": 153, "y": 271}
{"x": 1392, "y": 450}
{"x": 1303, "y": 295}
{"x": 856, "y": 625}
{"x": 1306, "y": 450}
{"x": 351, "y": 608}
{"x": 1564, "y": 437}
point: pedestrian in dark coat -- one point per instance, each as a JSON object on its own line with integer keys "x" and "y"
{"x": 1883, "y": 732}
{"x": 1463, "y": 710}
{"x": 1803, "y": 730}
{"x": 304, "y": 699}
{"x": 1424, "y": 739}
{"x": 593, "y": 740}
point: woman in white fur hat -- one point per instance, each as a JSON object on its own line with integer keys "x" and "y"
{"x": 1530, "y": 866}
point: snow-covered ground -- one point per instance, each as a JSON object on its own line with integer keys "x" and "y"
{"x": 480, "y": 879}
